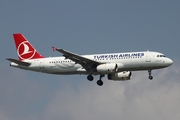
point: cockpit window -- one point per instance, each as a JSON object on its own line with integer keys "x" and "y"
{"x": 164, "y": 56}
{"x": 161, "y": 56}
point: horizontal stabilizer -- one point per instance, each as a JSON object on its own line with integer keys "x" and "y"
{"x": 18, "y": 62}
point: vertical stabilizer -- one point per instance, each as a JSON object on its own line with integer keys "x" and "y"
{"x": 24, "y": 48}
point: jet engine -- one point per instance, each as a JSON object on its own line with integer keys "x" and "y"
{"x": 107, "y": 68}
{"x": 121, "y": 76}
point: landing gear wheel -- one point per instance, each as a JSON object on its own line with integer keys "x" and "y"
{"x": 100, "y": 82}
{"x": 150, "y": 74}
{"x": 90, "y": 77}
{"x": 150, "y": 77}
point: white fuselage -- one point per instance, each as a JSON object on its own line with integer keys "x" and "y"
{"x": 131, "y": 61}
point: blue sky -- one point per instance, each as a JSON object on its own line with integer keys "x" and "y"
{"x": 85, "y": 27}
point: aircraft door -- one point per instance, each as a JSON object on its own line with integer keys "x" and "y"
{"x": 148, "y": 57}
{"x": 41, "y": 65}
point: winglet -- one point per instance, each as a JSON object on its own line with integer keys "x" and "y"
{"x": 54, "y": 48}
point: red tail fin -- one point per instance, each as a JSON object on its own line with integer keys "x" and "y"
{"x": 24, "y": 48}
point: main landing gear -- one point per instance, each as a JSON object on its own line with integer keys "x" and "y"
{"x": 99, "y": 82}
{"x": 90, "y": 77}
{"x": 150, "y": 74}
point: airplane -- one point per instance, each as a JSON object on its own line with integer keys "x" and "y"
{"x": 117, "y": 66}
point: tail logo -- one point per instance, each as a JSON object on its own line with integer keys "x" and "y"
{"x": 25, "y": 50}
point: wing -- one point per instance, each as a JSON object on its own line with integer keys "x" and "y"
{"x": 86, "y": 63}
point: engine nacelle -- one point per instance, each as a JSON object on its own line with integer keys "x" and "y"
{"x": 107, "y": 68}
{"x": 121, "y": 76}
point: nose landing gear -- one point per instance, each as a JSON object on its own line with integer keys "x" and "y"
{"x": 150, "y": 74}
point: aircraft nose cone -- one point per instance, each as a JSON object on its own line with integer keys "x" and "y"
{"x": 169, "y": 62}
